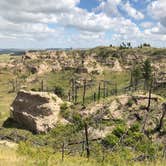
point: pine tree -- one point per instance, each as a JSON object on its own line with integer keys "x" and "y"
{"x": 137, "y": 75}
{"x": 147, "y": 73}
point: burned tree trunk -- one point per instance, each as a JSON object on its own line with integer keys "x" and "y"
{"x": 87, "y": 140}
{"x": 148, "y": 107}
{"x": 63, "y": 151}
{"x": 69, "y": 96}
{"x": 94, "y": 97}
{"x": 116, "y": 89}
{"x": 84, "y": 93}
{"x": 99, "y": 91}
{"x": 104, "y": 93}
{"x": 76, "y": 94}
{"x": 158, "y": 128}
{"x": 131, "y": 78}
{"x": 73, "y": 88}
{"x": 42, "y": 85}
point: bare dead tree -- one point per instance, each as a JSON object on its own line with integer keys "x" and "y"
{"x": 131, "y": 78}
{"x": 73, "y": 88}
{"x": 84, "y": 92}
{"x": 99, "y": 91}
{"x": 116, "y": 89}
{"x": 76, "y": 94}
{"x": 164, "y": 151}
{"x": 42, "y": 85}
{"x": 148, "y": 107}
{"x": 104, "y": 89}
{"x": 94, "y": 96}
{"x": 103, "y": 154}
{"x": 82, "y": 144}
{"x": 69, "y": 96}
{"x": 159, "y": 126}
{"x": 63, "y": 151}
{"x": 87, "y": 140}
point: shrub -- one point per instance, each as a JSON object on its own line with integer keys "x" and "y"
{"x": 132, "y": 138}
{"x": 59, "y": 91}
{"x": 65, "y": 112}
{"x": 77, "y": 120}
{"x": 110, "y": 140}
{"x": 142, "y": 107}
{"x": 135, "y": 127}
{"x": 64, "y": 106}
{"x": 147, "y": 147}
{"x": 130, "y": 102}
{"x": 119, "y": 131}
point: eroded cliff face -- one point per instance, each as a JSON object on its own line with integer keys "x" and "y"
{"x": 36, "y": 111}
{"x": 91, "y": 62}
{"x": 46, "y": 61}
{"x": 102, "y": 57}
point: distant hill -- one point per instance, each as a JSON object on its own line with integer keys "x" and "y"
{"x": 12, "y": 51}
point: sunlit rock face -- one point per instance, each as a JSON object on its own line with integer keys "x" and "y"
{"x": 36, "y": 111}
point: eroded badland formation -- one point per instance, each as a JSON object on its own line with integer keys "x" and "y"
{"x": 113, "y": 97}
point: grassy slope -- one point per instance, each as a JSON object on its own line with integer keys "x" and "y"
{"x": 5, "y": 97}
{"x": 10, "y": 156}
{"x": 62, "y": 79}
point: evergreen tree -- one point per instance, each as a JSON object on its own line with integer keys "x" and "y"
{"x": 147, "y": 73}
{"x": 137, "y": 75}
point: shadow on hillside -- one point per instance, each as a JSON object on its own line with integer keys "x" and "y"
{"x": 10, "y": 123}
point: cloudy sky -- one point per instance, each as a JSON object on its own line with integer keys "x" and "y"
{"x": 81, "y": 23}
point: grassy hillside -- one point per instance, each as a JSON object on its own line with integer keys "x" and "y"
{"x": 12, "y": 156}
{"x": 46, "y": 149}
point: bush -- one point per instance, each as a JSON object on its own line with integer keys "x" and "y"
{"x": 65, "y": 112}
{"x": 135, "y": 127}
{"x": 130, "y": 102}
{"x": 142, "y": 107}
{"x": 110, "y": 140}
{"x": 119, "y": 131}
{"x": 147, "y": 147}
{"x": 59, "y": 91}
{"x": 132, "y": 138}
{"x": 64, "y": 106}
{"x": 77, "y": 120}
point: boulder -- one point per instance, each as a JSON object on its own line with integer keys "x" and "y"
{"x": 36, "y": 111}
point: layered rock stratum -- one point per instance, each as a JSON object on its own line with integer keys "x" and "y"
{"x": 36, "y": 111}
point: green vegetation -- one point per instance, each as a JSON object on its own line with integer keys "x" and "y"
{"x": 125, "y": 144}
{"x": 147, "y": 72}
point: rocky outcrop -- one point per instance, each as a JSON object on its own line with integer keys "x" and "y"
{"x": 117, "y": 66}
{"x": 57, "y": 61}
{"x": 36, "y": 111}
{"x": 39, "y": 69}
{"x": 127, "y": 108}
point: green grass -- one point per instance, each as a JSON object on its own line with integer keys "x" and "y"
{"x": 36, "y": 155}
{"x": 5, "y": 58}
{"x": 63, "y": 78}
{"x": 6, "y": 98}
{"x": 44, "y": 157}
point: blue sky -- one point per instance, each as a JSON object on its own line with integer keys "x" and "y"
{"x": 81, "y": 23}
{"x": 88, "y": 4}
